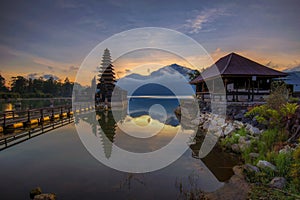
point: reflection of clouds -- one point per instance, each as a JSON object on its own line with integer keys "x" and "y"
{"x": 150, "y": 134}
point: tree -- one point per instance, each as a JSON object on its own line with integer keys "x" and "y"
{"x": 3, "y": 88}
{"x": 194, "y": 74}
{"x": 67, "y": 88}
{"x": 19, "y": 84}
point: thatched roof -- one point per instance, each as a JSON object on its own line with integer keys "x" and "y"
{"x": 234, "y": 65}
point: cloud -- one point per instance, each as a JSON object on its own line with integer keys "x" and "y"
{"x": 197, "y": 24}
{"x": 73, "y": 68}
{"x": 51, "y": 68}
{"x": 33, "y": 76}
{"x": 47, "y": 76}
{"x": 44, "y": 76}
{"x": 272, "y": 65}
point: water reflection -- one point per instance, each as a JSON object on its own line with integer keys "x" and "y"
{"x": 110, "y": 135}
{"x": 25, "y": 104}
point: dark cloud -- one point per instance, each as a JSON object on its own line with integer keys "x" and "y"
{"x": 47, "y": 76}
{"x": 33, "y": 76}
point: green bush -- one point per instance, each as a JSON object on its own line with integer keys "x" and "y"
{"x": 283, "y": 162}
{"x": 269, "y": 137}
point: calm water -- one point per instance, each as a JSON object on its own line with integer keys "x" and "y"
{"x": 25, "y": 104}
{"x": 58, "y": 161}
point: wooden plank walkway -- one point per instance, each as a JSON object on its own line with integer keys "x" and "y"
{"x": 19, "y": 126}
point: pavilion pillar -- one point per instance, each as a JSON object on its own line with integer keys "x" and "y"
{"x": 252, "y": 98}
{"x": 213, "y": 97}
{"x": 248, "y": 88}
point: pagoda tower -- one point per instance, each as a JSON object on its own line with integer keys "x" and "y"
{"x": 106, "y": 77}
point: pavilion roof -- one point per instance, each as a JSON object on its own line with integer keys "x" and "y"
{"x": 234, "y": 65}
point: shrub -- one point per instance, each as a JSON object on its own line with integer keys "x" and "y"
{"x": 289, "y": 109}
{"x": 269, "y": 137}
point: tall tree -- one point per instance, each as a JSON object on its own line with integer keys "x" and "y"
{"x": 19, "y": 84}
{"x": 3, "y": 88}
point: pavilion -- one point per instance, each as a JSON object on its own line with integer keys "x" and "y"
{"x": 243, "y": 79}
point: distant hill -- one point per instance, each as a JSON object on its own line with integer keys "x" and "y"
{"x": 297, "y": 68}
{"x": 170, "y": 69}
{"x": 174, "y": 77}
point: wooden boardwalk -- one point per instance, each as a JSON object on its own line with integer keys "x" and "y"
{"x": 19, "y": 126}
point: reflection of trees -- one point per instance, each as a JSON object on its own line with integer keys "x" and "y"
{"x": 108, "y": 127}
{"x": 219, "y": 163}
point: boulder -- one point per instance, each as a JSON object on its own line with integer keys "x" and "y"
{"x": 243, "y": 143}
{"x": 238, "y": 124}
{"x": 253, "y": 155}
{"x": 195, "y": 122}
{"x": 278, "y": 182}
{"x": 251, "y": 168}
{"x": 49, "y": 196}
{"x": 253, "y": 130}
{"x": 285, "y": 149}
{"x": 265, "y": 164}
{"x": 229, "y": 129}
{"x": 34, "y": 192}
{"x": 239, "y": 116}
{"x": 206, "y": 124}
{"x": 235, "y": 148}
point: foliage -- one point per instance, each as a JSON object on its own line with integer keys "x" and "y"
{"x": 3, "y": 88}
{"x": 279, "y": 95}
{"x": 294, "y": 100}
{"x": 289, "y": 109}
{"x": 28, "y": 88}
{"x": 194, "y": 74}
{"x": 263, "y": 192}
{"x": 234, "y": 139}
{"x": 296, "y": 154}
{"x": 265, "y": 115}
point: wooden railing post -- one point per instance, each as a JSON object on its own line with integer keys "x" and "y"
{"x": 28, "y": 115}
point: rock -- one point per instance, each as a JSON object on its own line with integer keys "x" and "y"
{"x": 235, "y": 148}
{"x": 239, "y": 116}
{"x": 253, "y": 130}
{"x": 285, "y": 149}
{"x": 238, "y": 124}
{"x": 238, "y": 170}
{"x": 243, "y": 143}
{"x": 195, "y": 122}
{"x": 229, "y": 129}
{"x": 251, "y": 168}
{"x": 49, "y": 196}
{"x": 236, "y": 188}
{"x": 278, "y": 182}
{"x": 206, "y": 125}
{"x": 34, "y": 192}
{"x": 265, "y": 164}
{"x": 253, "y": 155}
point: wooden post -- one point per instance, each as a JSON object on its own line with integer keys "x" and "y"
{"x": 28, "y": 115}
{"x": 252, "y": 91}
{"x": 4, "y": 120}
{"x": 249, "y": 82}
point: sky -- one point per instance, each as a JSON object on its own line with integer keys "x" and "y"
{"x": 53, "y": 37}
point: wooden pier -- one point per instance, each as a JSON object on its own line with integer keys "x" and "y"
{"x": 19, "y": 126}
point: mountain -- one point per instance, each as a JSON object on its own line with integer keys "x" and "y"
{"x": 170, "y": 69}
{"x": 297, "y": 69}
{"x": 174, "y": 79}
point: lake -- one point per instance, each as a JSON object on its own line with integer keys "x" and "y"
{"x": 24, "y": 104}
{"x": 58, "y": 161}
